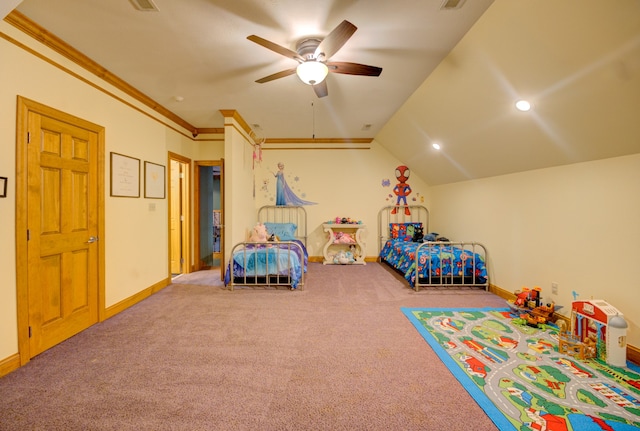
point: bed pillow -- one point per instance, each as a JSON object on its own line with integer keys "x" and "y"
{"x": 284, "y": 231}
{"x": 403, "y": 231}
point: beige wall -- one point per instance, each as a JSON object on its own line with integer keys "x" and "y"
{"x": 575, "y": 225}
{"x": 136, "y": 243}
{"x": 342, "y": 183}
{"x": 239, "y": 207}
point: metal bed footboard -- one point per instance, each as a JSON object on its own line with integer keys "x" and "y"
{"x": 454, "y": 278}
{"x": 276, "y": 275}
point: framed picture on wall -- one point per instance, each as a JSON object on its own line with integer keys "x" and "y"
{"x": 153, "y": 181}
{"x": 125, "y": 176}
{"x": 3, "y": 187}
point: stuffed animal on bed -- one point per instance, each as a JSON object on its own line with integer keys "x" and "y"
{"x": 411, "y": 230}
{"x": 431, "y": 236}
{"x": 258, "y": 233}
{"x": 418, "y": 234}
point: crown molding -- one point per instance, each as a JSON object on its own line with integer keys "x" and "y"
{"x": 53, "y": 42}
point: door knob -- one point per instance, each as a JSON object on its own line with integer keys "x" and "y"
{"x": 92, "y": 239}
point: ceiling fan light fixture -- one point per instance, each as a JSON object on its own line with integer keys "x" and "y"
{"x": 523, "y": 105}
{"x": 312, "y": 72}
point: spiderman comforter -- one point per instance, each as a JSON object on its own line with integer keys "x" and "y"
{"x": 437, "y": 261}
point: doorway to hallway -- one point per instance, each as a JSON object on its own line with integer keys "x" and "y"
{"x": 209, "y": 215}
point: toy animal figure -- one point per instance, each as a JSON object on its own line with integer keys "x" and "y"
{"x": 258, "y": 233}
{"x": 411, "y": 229}
{"x": 343, "y": 258}
{"x": 343, "y": 238}
{"x": 418, "y": 234}
{"x": 354, "y": 252}
{"x": 349, "y": 257}
{"x": 431, "y": 236}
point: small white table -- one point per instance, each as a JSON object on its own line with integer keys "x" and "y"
{"x": 331, "y": 248}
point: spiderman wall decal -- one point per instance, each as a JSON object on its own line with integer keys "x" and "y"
{"x": 402, "y": 189}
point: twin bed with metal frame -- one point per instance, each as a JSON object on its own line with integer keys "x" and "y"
{"x": 428, "y": 264}
{"x": 273, "y": 263}
{"x": 424, "y": 264}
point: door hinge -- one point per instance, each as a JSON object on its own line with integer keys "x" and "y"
{"x": 28, "y": 235}
{"x": 29, "y": 331}
{"x": 28, "y": 137}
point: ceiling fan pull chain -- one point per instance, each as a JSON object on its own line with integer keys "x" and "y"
{"x": 313, "y": 121}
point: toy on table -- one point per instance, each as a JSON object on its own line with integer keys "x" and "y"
{"x": 354, "y": 251}
{"x": 343, "y": 238}
{"x": 344, "y": 220}
{"x": 344, "y": 258}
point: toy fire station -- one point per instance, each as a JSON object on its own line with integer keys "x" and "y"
{"x": 597, "y": 320}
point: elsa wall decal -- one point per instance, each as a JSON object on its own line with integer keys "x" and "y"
{"x": 284, "y": 194}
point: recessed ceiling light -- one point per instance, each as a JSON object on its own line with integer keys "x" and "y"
{"x": 435, "y": 145}
{"x": 178, "y": 98}
{"x": 523, "y": 105}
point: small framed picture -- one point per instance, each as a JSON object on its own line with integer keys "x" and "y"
{"x": 125, "y": 176}
{"x": 3, "y": 187}
{"x": 153, "y": 180}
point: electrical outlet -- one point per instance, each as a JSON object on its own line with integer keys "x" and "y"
{"x": 554, "y": 288}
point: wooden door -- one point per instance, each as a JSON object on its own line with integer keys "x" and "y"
{"x": 175, "y": 223}
{"x": 62, "y": 224}
{"x": 179, "y": 214}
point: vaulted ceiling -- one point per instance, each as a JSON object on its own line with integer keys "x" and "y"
{"x": 450, "y": 75}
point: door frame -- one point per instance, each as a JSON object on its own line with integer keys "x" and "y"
{"x": 24, "y": 106}
{"x": 185, "y": 202}
{"x": 196, "y": 211}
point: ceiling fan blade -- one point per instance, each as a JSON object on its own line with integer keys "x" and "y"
{"x": 334, "y": 40}
{"x": 281, "y": 74}
{"x": 321, "y": 89}
{"x": 353, "y": 68}
{"x": 276, "y": 48}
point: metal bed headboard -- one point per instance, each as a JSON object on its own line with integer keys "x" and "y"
{"x": 387, "y": 215}
{"x": 286, "y": 214}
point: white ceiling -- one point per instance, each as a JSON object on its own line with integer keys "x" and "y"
{"x": 578, "y": 60}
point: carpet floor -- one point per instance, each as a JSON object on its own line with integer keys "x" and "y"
{"x": 338, "y": 355}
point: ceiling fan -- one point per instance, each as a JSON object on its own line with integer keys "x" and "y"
{"x": 313, "y": 56}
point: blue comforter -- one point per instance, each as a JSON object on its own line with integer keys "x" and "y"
{"x": 273, "y": 258}
{"x": 434, "y": 261}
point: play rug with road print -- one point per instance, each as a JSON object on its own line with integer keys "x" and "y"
{"x": 515, "y": 373}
